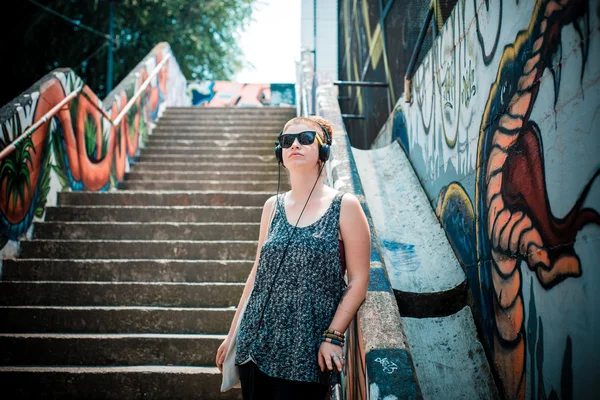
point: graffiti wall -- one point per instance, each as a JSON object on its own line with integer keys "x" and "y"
{"x": 77, "y": 149}
{"x": 503, "y": 132}
{"x": 226, "y": 94}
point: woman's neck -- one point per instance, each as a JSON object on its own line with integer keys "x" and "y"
{"x": 302, "y": 184}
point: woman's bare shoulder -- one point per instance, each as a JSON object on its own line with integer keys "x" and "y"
{"x": 350, "y": 207}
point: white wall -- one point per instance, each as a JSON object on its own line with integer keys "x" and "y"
{"x": 327, "y": 33}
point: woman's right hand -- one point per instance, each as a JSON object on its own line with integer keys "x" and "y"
{"x": 222, "y": 353}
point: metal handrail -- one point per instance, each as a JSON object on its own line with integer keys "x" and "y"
{"x": 365, "y": 84}
{"x": 360, "y": 83}
{"x": 12, "y": 146}
{"x": 410, "y": 70}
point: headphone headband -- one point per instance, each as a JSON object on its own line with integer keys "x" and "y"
{"x": 328, "y": 139}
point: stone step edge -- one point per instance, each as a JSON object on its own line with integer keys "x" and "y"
{"x": 120, "y": 308}
{"x": 184, "y": 224}
{"x": 206, "y": 182}
{"x": 161, "y": 369}
{"x": 171, "y": 192}
{"x": 191, "y": 207}
{"x": 133, "y": 260}
{"x": 158, "y": 241}
{"x": 213, "y": 165}
{"x": 126, "y": 283}
{"x": 195, "y": 336}
{"x": 187, "y": 172}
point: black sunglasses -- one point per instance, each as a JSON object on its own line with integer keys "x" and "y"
{"x": 304, "y": 138}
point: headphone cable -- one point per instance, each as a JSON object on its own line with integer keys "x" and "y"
{"x": 286, "y": 246}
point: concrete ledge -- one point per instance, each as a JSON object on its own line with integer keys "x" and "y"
{"x": 448, "y": 356}
{"x": 425, "y": 275}
{"x": 390, "y": 372}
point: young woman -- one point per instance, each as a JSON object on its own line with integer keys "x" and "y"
{"x": 299, "y": 307}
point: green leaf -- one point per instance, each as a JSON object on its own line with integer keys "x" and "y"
{"x": 62, "y": 177}
{"x": 90, "y": 136}
{"x": 39, "y": 212}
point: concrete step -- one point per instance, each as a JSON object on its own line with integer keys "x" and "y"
{"x": 146, "y": 231}
{"x": 154, "y": 213}
{"x": 153, "y": 198}
{"x": 139, "y": 249}
{"x": 260, "y": 186}
{"x": 108, "y": 349}
{"x": 232, "y": 111}
{"x": 209, "y": 123}
{"x": 222, "y": 143}
{"x": 62, "y": 319}
{"x": 227, "y": 137}
{"x": 201, "y": 175}
{"x": 447, "y": 355}
{"x": 159, "y": 294}
{"x": 244, "y": 130}
{"x": 219, "y": 116}
{"x": 266, "y": 158}
{"x": 205, "y": 166}
{"x": 224, "y": 120}
{"x": 210, "y": 151}
{"x": 114, "y": 383}
{"x": 119, "y": 270}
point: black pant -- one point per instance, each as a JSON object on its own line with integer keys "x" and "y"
{"x": 256, "y": 385}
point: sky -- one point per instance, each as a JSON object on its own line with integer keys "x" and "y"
{"x": 271, "y": 43}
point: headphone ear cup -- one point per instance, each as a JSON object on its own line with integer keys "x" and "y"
{"x": 279, "y": 153}
{"x": 324, "y": 152}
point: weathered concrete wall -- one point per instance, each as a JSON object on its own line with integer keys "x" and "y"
{"x": 77, "y": 149}
{"x": 503, "y": 135}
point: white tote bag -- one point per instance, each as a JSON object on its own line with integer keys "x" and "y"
{"x": 231, "y": 376}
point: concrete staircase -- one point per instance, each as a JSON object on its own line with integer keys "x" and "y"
{"x": 128, "y": 294}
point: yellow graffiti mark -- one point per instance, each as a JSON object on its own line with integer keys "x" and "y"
{"x": 347, "y": 39}
{"x": 454, "y": 191}
{"x": 375, "y": 40}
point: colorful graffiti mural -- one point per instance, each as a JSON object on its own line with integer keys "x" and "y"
{"x": 77, "y": 149}
{"x": 226, "y": 94}
{"x": 503, "y": 136}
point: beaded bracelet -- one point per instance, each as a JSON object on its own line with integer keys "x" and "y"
{"x": 333, "y": 332}
{"x": 341, "y": 344}
{"x": 336, "y": 337}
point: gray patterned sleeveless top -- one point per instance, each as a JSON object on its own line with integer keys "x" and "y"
{"x": 303, "y": 300}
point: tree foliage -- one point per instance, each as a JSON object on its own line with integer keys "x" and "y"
{"x": 203, "y": 35}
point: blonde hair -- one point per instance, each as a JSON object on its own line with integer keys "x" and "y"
{"x": 318, "y": 122}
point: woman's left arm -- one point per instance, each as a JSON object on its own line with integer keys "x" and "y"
{"x": 354, "y": 229}
{"x": 357, "y": 245}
